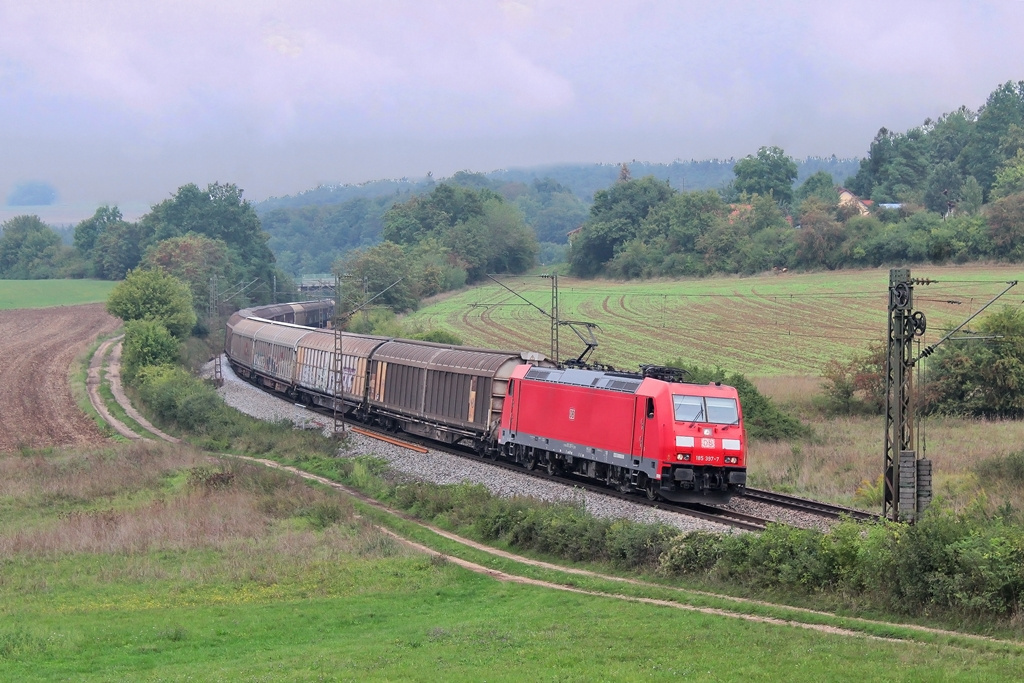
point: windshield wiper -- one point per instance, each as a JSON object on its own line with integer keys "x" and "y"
{"x": 697, "y": 416}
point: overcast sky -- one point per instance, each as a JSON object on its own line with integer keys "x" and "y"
{"x": 125, "y": 100}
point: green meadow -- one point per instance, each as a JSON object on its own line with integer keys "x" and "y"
{"x": 47, "y": 293}
{"x": 769, "y": 325}
{"x": 149, "y": 562}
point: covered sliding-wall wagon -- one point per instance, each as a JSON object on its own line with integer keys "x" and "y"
{"x": 444, "y": 392}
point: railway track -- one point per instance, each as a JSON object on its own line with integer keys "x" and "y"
{"x": 712, "y": 513}
{"x": 732, "y": 518}
{"x": 717, "y": 514}
{"x": 813, "y": 506}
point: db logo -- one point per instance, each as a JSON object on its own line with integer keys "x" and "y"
{"x": 707, "y": 443}
{"x": 572, "y": 414}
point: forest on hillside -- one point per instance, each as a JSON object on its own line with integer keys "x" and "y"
{"x": 311, "y": 229}
{"x": 950, "y": 190}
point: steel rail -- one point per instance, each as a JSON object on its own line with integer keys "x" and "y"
{"x": 808, "y": 505}
{"x": 710, "y": 513}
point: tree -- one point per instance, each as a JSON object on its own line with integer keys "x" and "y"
{"x": 552, "y": 210}
{"x": 193, "y": 259}
{"x": 820, "y": 185}
{"x": 1006, "y": 226}
{"x": 615, "y": 217}
{"x": 1010, "y": 176}
{"x": 445, "y": 207}
{"x": 770, "y": 172}
{"x": 630, "y": 200}
{"x": 512, "y": 246}
{"x": 218, "y": 212}
{"x": 684, "y": 218}
{"x": 118, "y": 249}
{"x": 985, "y": 151}
{"x": 89, "y": 230}
{"x": 942, "y": 189}
{"x": 377, "y": 269}
{"x": 984, "y": 377}
{"x": 154, "y": 295}
{"x": 481, "y": 231}
{"x": 30, "y": 250}
{"x": 971, "y": 196}
{"x": 820, "y": 236}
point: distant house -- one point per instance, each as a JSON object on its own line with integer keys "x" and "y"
{"x": 847, "y": 198}
{"x": 571, "y": 235}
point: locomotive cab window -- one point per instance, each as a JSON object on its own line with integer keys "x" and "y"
{"x": 650, "y": 408}
{"x": 722, "y": 411}
{"x": 511, "y": 388}
{"x": 688, "y": 408}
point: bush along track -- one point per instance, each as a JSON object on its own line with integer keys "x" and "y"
{"x": 807, "y": 562}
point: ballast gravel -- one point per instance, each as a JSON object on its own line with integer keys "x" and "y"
{"x": 443, "y": 468}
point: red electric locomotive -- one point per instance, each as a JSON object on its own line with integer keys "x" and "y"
{"x": 679, "y": 441}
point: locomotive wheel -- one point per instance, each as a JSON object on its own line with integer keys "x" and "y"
{"x": 531, "y": 460}
{"x": 651, "y": 490}
{"x": 552, "y": 466}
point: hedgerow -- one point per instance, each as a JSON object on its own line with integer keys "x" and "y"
{"x": 964, "y": 564}
{"x": 956, "y": 564}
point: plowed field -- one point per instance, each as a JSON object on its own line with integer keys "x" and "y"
{"x": 770, "y": 325}
{"x": 37, "y": 347}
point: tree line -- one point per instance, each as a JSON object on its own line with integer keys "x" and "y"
{"x": 437, "y": 242}
{"x": 309, "y": 230}
{"x": 195, "y": 235}
{"x": 950, "y": 190}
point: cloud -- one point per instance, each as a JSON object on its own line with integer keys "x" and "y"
{"x": 119, "y": 91}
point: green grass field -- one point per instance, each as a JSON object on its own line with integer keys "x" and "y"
{"x": 143, "y": 567}
{"x": 47, "y": 293}
{"x": 770, "y": 325}
{"x": 406, "y": 619}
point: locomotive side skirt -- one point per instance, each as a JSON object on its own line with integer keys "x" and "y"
{"x": 576, "y": 450}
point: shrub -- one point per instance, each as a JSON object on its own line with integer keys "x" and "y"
{"x": 694, "y": 553}
{"x": 153, "y": 295}
{"x": 858, "y": 385}
{"x": 964, "y": 564}
{"x": 146, "y": 343}
{"x": 174, "y": 396}
{"x": 438, "y": 336}
{"x": 984, "y": 377}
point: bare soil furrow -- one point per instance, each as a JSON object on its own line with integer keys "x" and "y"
{"x": 38, "y": 346}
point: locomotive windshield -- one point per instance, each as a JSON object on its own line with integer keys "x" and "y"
{"x": 722, "y": 411}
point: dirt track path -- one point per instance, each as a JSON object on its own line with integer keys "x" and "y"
{"x": 37, "y": 347}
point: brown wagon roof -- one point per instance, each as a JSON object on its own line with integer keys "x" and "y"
{"x": 436, "y": 356}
